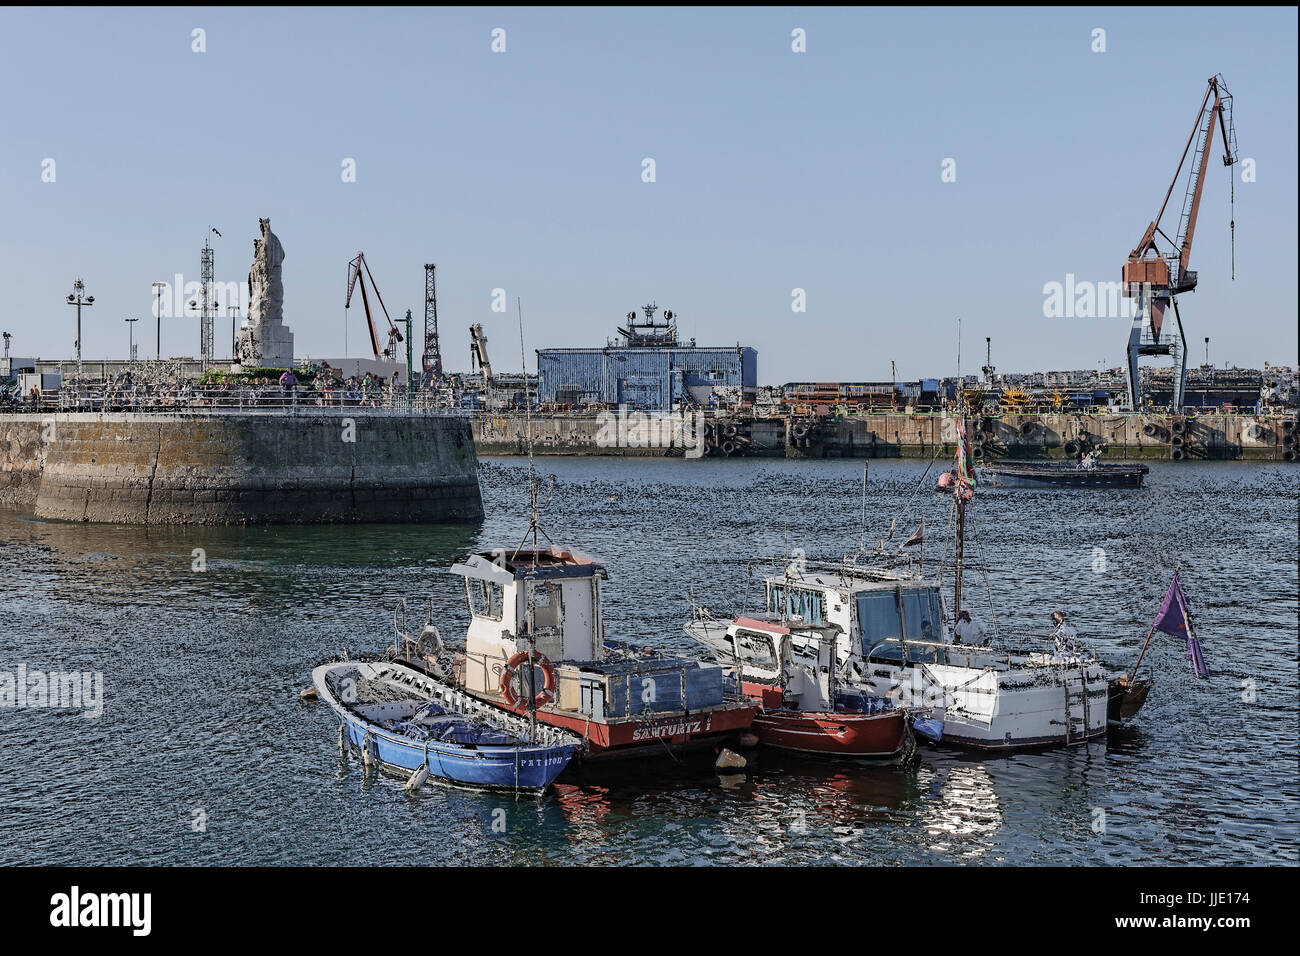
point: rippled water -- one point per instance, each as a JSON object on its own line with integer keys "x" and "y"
{"x": 202, "y": 722}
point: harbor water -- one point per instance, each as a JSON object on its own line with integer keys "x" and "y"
{"x": 204, "y": 637}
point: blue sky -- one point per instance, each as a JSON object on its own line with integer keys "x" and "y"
{"x": 523, "y": 171}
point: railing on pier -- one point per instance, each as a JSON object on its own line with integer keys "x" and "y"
{"x": 200, "y": 402}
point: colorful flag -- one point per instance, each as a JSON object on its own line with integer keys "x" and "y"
{"x": 918, "y": 537}
{"x": 1174, "y": 619}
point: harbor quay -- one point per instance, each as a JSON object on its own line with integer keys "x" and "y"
{"x": 233, "y": 466}
{"x": 1186, "y": 437}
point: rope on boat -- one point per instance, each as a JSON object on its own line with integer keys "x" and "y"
{"x": 988, "y": 585}
{"x": 911, "y": 756}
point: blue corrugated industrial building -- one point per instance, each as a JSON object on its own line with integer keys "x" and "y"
{"x": 649, "y": 370}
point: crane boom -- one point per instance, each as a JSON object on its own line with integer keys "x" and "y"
{"x": 1145, "y": 264}
{"x": 478, "y": 352}
{"x": 1155, "y": 278}
{"x": 354, "y": 277}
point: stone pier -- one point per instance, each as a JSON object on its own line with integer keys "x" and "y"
{"x": 338, "y": 465}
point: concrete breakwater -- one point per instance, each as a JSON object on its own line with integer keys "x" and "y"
{"x": 232, "y": 468}
{"x": 899, "y": 435}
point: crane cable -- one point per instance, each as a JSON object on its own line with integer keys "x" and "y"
{"x": 1232, "y": 219}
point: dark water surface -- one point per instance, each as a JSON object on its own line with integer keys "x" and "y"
{"x": 204, "y": 753}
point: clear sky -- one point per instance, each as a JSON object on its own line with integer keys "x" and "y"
{"x": 523, "y": 170}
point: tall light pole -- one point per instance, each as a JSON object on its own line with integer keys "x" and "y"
{"x": 130, "y": 338}
{"x": 75, "y": 297}
{"x": 234, "y": 319}
{"x": 158, "y": 287}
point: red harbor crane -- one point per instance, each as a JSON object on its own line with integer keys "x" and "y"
{"x": 355, "y": 277}
{"x": 1156, "y": 278}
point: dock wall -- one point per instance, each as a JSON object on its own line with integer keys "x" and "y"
{"x": 241, "y": 468}
{"x": 898, "y": 435}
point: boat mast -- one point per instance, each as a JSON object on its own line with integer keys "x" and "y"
{"x": 961, "y": 535}
{"x": 960, "y": 492}
{"x": 534, "y": 527}
{"x": 958, "y": 489}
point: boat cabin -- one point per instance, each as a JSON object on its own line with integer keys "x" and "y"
{"x": 619, "y": 700}
{"x": 564, "y": 617}
{"x": 869, "y": 606}
{"x": 782, "y": 664}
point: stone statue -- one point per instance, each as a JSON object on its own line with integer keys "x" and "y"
{"x": 264, "y": 339}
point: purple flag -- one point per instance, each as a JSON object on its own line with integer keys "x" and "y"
{"x": 1196, "y": 658}
{"x": 1173, "y": 618}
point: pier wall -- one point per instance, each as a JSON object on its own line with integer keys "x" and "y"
{"x": 899, "y": 435}
{"x": 232, "y": 469}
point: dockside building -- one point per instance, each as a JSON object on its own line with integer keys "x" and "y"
{"x": 647, "y": 368}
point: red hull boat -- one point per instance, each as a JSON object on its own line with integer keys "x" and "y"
{"x": 634, "y": 736}
{"x": 838, "y": 734}
{"x": 843, "y": 733}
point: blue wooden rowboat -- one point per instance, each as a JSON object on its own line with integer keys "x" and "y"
{"x": 414, "y": 724}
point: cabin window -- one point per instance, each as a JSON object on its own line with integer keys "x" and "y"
{"x": 548, "y": 608}
{"x": 878, "y": 617}
{"x": 921, "y": 614}
{"x": 485, "y": 598}
{"x": 800, "y": 602}
{"x": 754, "y": 648}
{"x": 803, "y": 653}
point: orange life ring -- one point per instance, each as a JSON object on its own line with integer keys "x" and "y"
{"x": 544, "y": 696}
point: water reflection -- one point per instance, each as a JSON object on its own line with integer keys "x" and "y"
{"x": 965, "y": 812}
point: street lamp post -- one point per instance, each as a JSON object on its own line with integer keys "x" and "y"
{"x": 78, "y": 298}
{"x": 158, "y": 287}
{"x": 130, "y": 338}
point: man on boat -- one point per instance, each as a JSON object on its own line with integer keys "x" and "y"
{"x": 969, "y": 631}
{"x": 1064, "y": 635}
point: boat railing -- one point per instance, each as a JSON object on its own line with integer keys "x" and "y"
{"x": 1003, "y": 655}
{"x": 569, "y": 687}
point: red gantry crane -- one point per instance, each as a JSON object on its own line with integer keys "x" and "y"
{"x": 1155, "y": 278}
{"x": 355, "y": 277}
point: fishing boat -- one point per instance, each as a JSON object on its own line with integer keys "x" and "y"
{"x": 893, "y": 643}
{"x": 1085, "y": 473}
{"x": 536, "y": 639}
{"x": 417, "y": 725}
{"x": 894, "y": 640}
{"x": 786, "y": 665}
{"x": 536, "y": 642}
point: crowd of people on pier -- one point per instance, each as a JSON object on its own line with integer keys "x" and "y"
{"x": 127, "y": 391}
